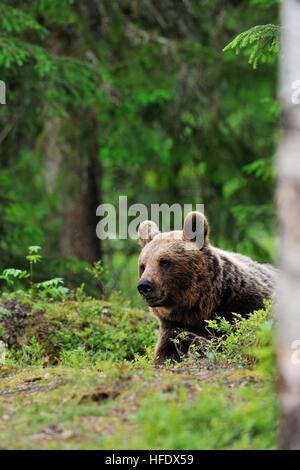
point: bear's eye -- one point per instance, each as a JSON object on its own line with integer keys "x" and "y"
{"x": 142, "y": 268}
{"x": 164, "y": 263}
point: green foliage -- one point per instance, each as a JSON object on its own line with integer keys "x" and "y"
{"x": 9, "y": 275}
{"x": 96, "y": 270}
{"x": 261, "y": 169}
{"x": 50, "y": 8}
{"x": 67, "y": 331}
{"x": 238, "y": 342}
{"x": 105, "y": 331}
{"x": 63, "y": 79}
{"x": 246, "y": 342}
{"x": 13, "y": 20}
{"x": 265, "y": 3}
{"x": 260, "y": 43}
{"x": 52, "y": 289}
{"x": 216, "y": 420}
{"x": 29, "y": 354}
{"x": 33, "y": 255}
{"x": 76, "y": 358}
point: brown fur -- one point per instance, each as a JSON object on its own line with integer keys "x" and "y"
{"x": 192, "y": 284}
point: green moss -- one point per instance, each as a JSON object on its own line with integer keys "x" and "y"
{"x": 75, "y": 332}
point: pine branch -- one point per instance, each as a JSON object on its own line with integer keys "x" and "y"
{"x": 260, "y": 43}
{"x": 16, "y": 21}
{"x": 66, "y": 79}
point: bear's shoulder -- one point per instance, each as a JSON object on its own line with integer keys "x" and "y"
{"x": 236, "y": 265}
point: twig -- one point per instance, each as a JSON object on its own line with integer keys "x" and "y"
{"x": 196, "y": 339}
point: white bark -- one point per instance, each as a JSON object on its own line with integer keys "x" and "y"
{"x": 288, "y": 165}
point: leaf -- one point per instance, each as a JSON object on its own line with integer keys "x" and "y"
{"x": 50, "y": 283}
{"x": 11, "y": 273}
{"x": 34, "y": 249}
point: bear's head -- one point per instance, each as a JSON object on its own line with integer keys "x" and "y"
{"x": 173, "y": 266}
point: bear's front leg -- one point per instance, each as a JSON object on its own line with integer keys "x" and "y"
{"x": 169, "y": 332}
{"x": 165, "y": 348}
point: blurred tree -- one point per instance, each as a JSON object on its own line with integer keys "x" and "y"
{"x": 289, "y": 220}
{"x": 71, "y": 142}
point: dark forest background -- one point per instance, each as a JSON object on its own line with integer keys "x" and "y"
{"x": 136, "y": 98}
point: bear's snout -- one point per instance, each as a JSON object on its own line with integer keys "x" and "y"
{"x": 145, "y": 287}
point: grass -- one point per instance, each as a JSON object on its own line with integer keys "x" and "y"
{"x": 79, "y": 375}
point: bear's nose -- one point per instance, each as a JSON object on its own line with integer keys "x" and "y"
{"x": 145, "y": 287}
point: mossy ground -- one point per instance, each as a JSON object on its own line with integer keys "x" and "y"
{"x": 79, "y": 375}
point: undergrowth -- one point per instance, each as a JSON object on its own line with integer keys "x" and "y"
{"x": 78, "y": 373}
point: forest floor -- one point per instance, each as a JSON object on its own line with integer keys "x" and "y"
{"x": 79, "y": 375}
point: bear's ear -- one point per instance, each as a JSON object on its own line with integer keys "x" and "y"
{"x": 196, "y": 229}
{"x": 147, "y": 231}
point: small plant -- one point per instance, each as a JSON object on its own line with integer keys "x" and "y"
{"x": 97, "y": 272}
{"x": 240, "y": 341}
{"x": 33, "y": 257}
{"x": 52, "y": 289}
{"x": 191, "y": 347}
{"x": 11, "y": 274}
{"x": 75, "y": 358}
{"x": 30, "y": 354}
{"x": 80, "y": 294}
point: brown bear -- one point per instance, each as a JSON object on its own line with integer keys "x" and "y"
{"x": 185, "y": 283}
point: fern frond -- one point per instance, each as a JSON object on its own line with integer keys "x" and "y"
{"x": 260, "y": 43}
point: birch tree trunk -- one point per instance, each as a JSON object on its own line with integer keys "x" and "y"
{"x": 288, "y": 166}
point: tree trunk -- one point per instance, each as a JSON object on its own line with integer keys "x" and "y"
{"x": 289, "y": 226}
{"x": 81, "y": 191}
{"x": 70, "y": 149}
{"x": 72, "y": 153}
